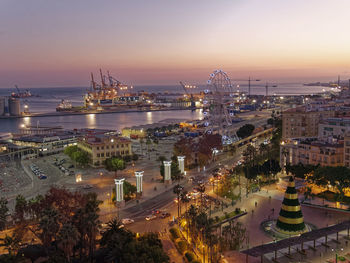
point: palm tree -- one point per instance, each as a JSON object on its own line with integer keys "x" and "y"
{"x": 67, "y": 238}
{"x": 177, "y": 190}
{"x": 201, "y": 189}
{"x": 49, "y": 226}
{"x": 262, "y": 149}
{"x": 148, "y": 143}
{"x": 141, "y": 145}
{"x": 11, "y": 243}
{"x": 250, "y": 154}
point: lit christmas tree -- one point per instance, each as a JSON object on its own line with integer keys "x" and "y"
{"x": 290, "y": 220}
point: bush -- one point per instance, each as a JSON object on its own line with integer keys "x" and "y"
{"x": 175, "y": 233}
{"x": 182, "y": 246}
{"x": 190, "y": 256}
{"x": 237, "y": 210}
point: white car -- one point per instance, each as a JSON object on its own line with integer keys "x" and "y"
{"x": 127, "y": 221}
{"x": 150, "y": 217}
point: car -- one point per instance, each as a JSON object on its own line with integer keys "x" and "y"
{"x": 165, "y": 215}
{"x": 127, "y": 221}
{"x": 150, "y": 217}
{"x": 155, "y": 212}
{"x": 71, "y": 166}
{"x": 87, "y": 186}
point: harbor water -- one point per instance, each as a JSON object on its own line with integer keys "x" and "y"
{"x": 47, "y": 99}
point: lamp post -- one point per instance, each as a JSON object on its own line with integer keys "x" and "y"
{"x": 336, "y": 253}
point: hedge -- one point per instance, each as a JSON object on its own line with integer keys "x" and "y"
{"x": 190, "y": 256}
{"x": 182, "y": 246}
{"x": 175, "y": 233}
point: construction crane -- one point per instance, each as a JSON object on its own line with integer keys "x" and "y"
{"x": 267, "y": 88}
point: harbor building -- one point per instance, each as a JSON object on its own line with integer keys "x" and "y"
{"x": 312, "y": 151}
{"x": 103, "y": 146}
{"x": 302, "y": 122}
{"x": 45, "y": 144}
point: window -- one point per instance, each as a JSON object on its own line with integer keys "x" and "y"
{"x": 112, "y": 146}
{"x": 102, "y": 155}
{"x": 102, "y": 147}
{"x": 98, "y": 148}
{"x": 107, "y": 147}
{"x": 107, "y": 154}
{"x": 98, "y": 155}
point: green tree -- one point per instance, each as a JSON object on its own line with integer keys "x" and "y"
{"x": 80, "y": 157}
{"x": 70, "y": 150}
{"x": 129, "y": 190}
{"x": 245, "y": 131}
{"x": 114, "y": 164}
{"x": 20, "y": 208}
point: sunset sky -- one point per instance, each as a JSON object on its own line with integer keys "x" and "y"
{"x": 47, "y": 43}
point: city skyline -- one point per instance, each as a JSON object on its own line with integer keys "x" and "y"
{"x": 55, "y": 44}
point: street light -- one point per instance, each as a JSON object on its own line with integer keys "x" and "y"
{"x": 336, "y": 253}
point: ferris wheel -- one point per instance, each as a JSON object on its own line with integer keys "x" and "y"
{"x": 218, "y": 103}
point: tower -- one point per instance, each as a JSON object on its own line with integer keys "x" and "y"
{"x": 290, "y": 220}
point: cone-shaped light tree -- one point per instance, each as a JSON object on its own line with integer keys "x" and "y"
{"x": 290, "y": 220}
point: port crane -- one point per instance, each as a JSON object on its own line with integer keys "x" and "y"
{"x": 186, "y": 87}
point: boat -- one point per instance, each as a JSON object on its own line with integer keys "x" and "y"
{"x": 64, "y": 106}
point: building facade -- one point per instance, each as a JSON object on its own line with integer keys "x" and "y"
{"x": 103, "y": 146}
{"x": 333, "y": 127}
{"x": 302, "y": 122}
{"x": 347, "y": 150}
{"x": 312, "y": 151}
{"x": 46, "y": 144}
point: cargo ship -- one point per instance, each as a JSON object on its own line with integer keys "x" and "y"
{"x": 64, "y": 106}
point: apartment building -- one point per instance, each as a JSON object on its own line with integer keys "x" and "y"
{"x": 312, "y": 151}
{"x": 302, "y": 122}
{"x": 333, "y": 127}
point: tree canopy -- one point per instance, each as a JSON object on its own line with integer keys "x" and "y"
{"x": 245, "y": 131}
{"x": 114, "y": 164}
